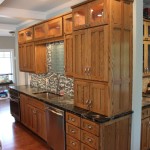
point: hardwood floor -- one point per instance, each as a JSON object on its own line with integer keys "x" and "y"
{"x": 13, "y": 135}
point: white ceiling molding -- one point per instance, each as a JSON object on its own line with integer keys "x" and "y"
{"x": 64, "y": 6}
{"x": 21, "y": 13}
{"x": 7, "y": 27}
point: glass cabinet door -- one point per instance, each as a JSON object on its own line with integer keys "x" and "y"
{"x": 146, "y": 57}
{"x": 80, "y": 17}
{"x": 54, "y": 27}
{"x": 97, "y": 13}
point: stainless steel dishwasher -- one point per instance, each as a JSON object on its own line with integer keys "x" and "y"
{"x": 55, "y": 128}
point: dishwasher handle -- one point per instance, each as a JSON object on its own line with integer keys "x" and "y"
{"x": 55, "y": 112}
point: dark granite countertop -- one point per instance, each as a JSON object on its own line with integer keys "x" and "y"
{"x": 65, "y": 103}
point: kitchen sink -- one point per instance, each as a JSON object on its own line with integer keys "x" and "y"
{"x": 45, "y": 94}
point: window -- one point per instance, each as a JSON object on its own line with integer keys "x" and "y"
{"x": 6, "y": 62}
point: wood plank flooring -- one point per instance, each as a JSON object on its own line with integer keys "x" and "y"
{"x": 13, "y": 135}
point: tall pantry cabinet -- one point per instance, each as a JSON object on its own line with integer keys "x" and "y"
{"x": 102, "y": 55}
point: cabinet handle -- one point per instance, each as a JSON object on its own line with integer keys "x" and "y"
{"x": 72, "y": 119}
{"x": 87, "y": 101}
{"x": 72, "y": 131}
{"x": 88, "y": 71}
{"x": 89, "y": 126}
{"x": 90, "y": 140}
{"x": 73, "y": 143}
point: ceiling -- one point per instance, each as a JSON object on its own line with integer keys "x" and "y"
{"x": 16, "y": 13}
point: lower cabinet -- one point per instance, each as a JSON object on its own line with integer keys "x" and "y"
{"x": 83, "y": 134}
{"x": 33, "y": 115}
{"x": 145, "y": 129}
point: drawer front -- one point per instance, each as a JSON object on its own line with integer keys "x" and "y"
{"x": 73, "y": 143}
{"x": 73, "y": 119}
{"x": 73, "y": 131}
{"x": 85, "y": 147}
{"x": 90, "y": 126}
{"x": 90, "y": 139}
{"x": 145, "y": 113}
{"x": 36, "y": 103}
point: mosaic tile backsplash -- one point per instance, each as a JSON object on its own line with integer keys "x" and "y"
{"x": 54, "y": 82}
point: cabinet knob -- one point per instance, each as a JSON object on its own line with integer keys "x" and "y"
{"x": 89, "y": 126}
{"x": 73, "y": 131}
{"x": 85, "y": 70}
{"x": 89, "y": 139}
{"x": 72, "y": 119}
{"x": 87, "y": 101}
{"x": 73, "y": 143}
{"x": 88, "y": 71}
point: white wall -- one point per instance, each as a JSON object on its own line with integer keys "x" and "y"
{"x": 137, "y": 73}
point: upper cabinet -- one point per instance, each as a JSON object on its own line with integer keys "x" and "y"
{"x": 54, "y": 28}
{"x": 40, "y": 31}
{"x": 146, "y": 30}
{"x": 91, "y": 14}
{"x": 67, "y": 22}
{"x": 25, "y": 35}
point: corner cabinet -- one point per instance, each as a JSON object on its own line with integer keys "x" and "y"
{"x": 102, "y": 54}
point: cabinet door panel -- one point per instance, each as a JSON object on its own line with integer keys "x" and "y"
{"x": 100, "y": 98}
{"x": 145, "y": 134}
{"x": 67, "y": 21}
{"x": 98, "y": 40}
{"x": 68, "y": 55}
{"x": 146, "y": 30}
{"x": 41, "y": 123}
{"x": 82, "y": 92}
{"x": 22, "y": 57}
{"x": 30, "y": 57}
{"x": 80, "y": 53}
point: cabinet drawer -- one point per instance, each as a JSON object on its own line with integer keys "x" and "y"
{"x": 36, "y": 103}
{"x": 145, "y": 113}
{"x": 73, "y": 131}
{"x": 73, "y": 143}
{"x": 85, "y": 147}
{"x": 90, "y": 126}
{"x": 90, "y": 139}
{"x": 73, "y": 119}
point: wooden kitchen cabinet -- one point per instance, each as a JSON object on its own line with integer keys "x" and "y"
{"x": 91, "y": 14}
{"x": 40, "y": 31}
{"x": 54, "y": 28}
{"x": 92, "y": 96}
{"x": 111, "y": 135}
{"x": 91, "y": 53}
{"x": 33, "y": 115}
{"x": 146, "y": 30}
{"x": 29, "y": 36}
{"x": 68, "y": 52}
{"x": 145, "y": 129}
{"x": 32, "y": 58}
{"x": 21, "y": 37}
{"x": 102, "y": 53}
{"x": 67, "y": 23}
{"x": 146, "y": 57}
{"x": 26, "y": 57}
